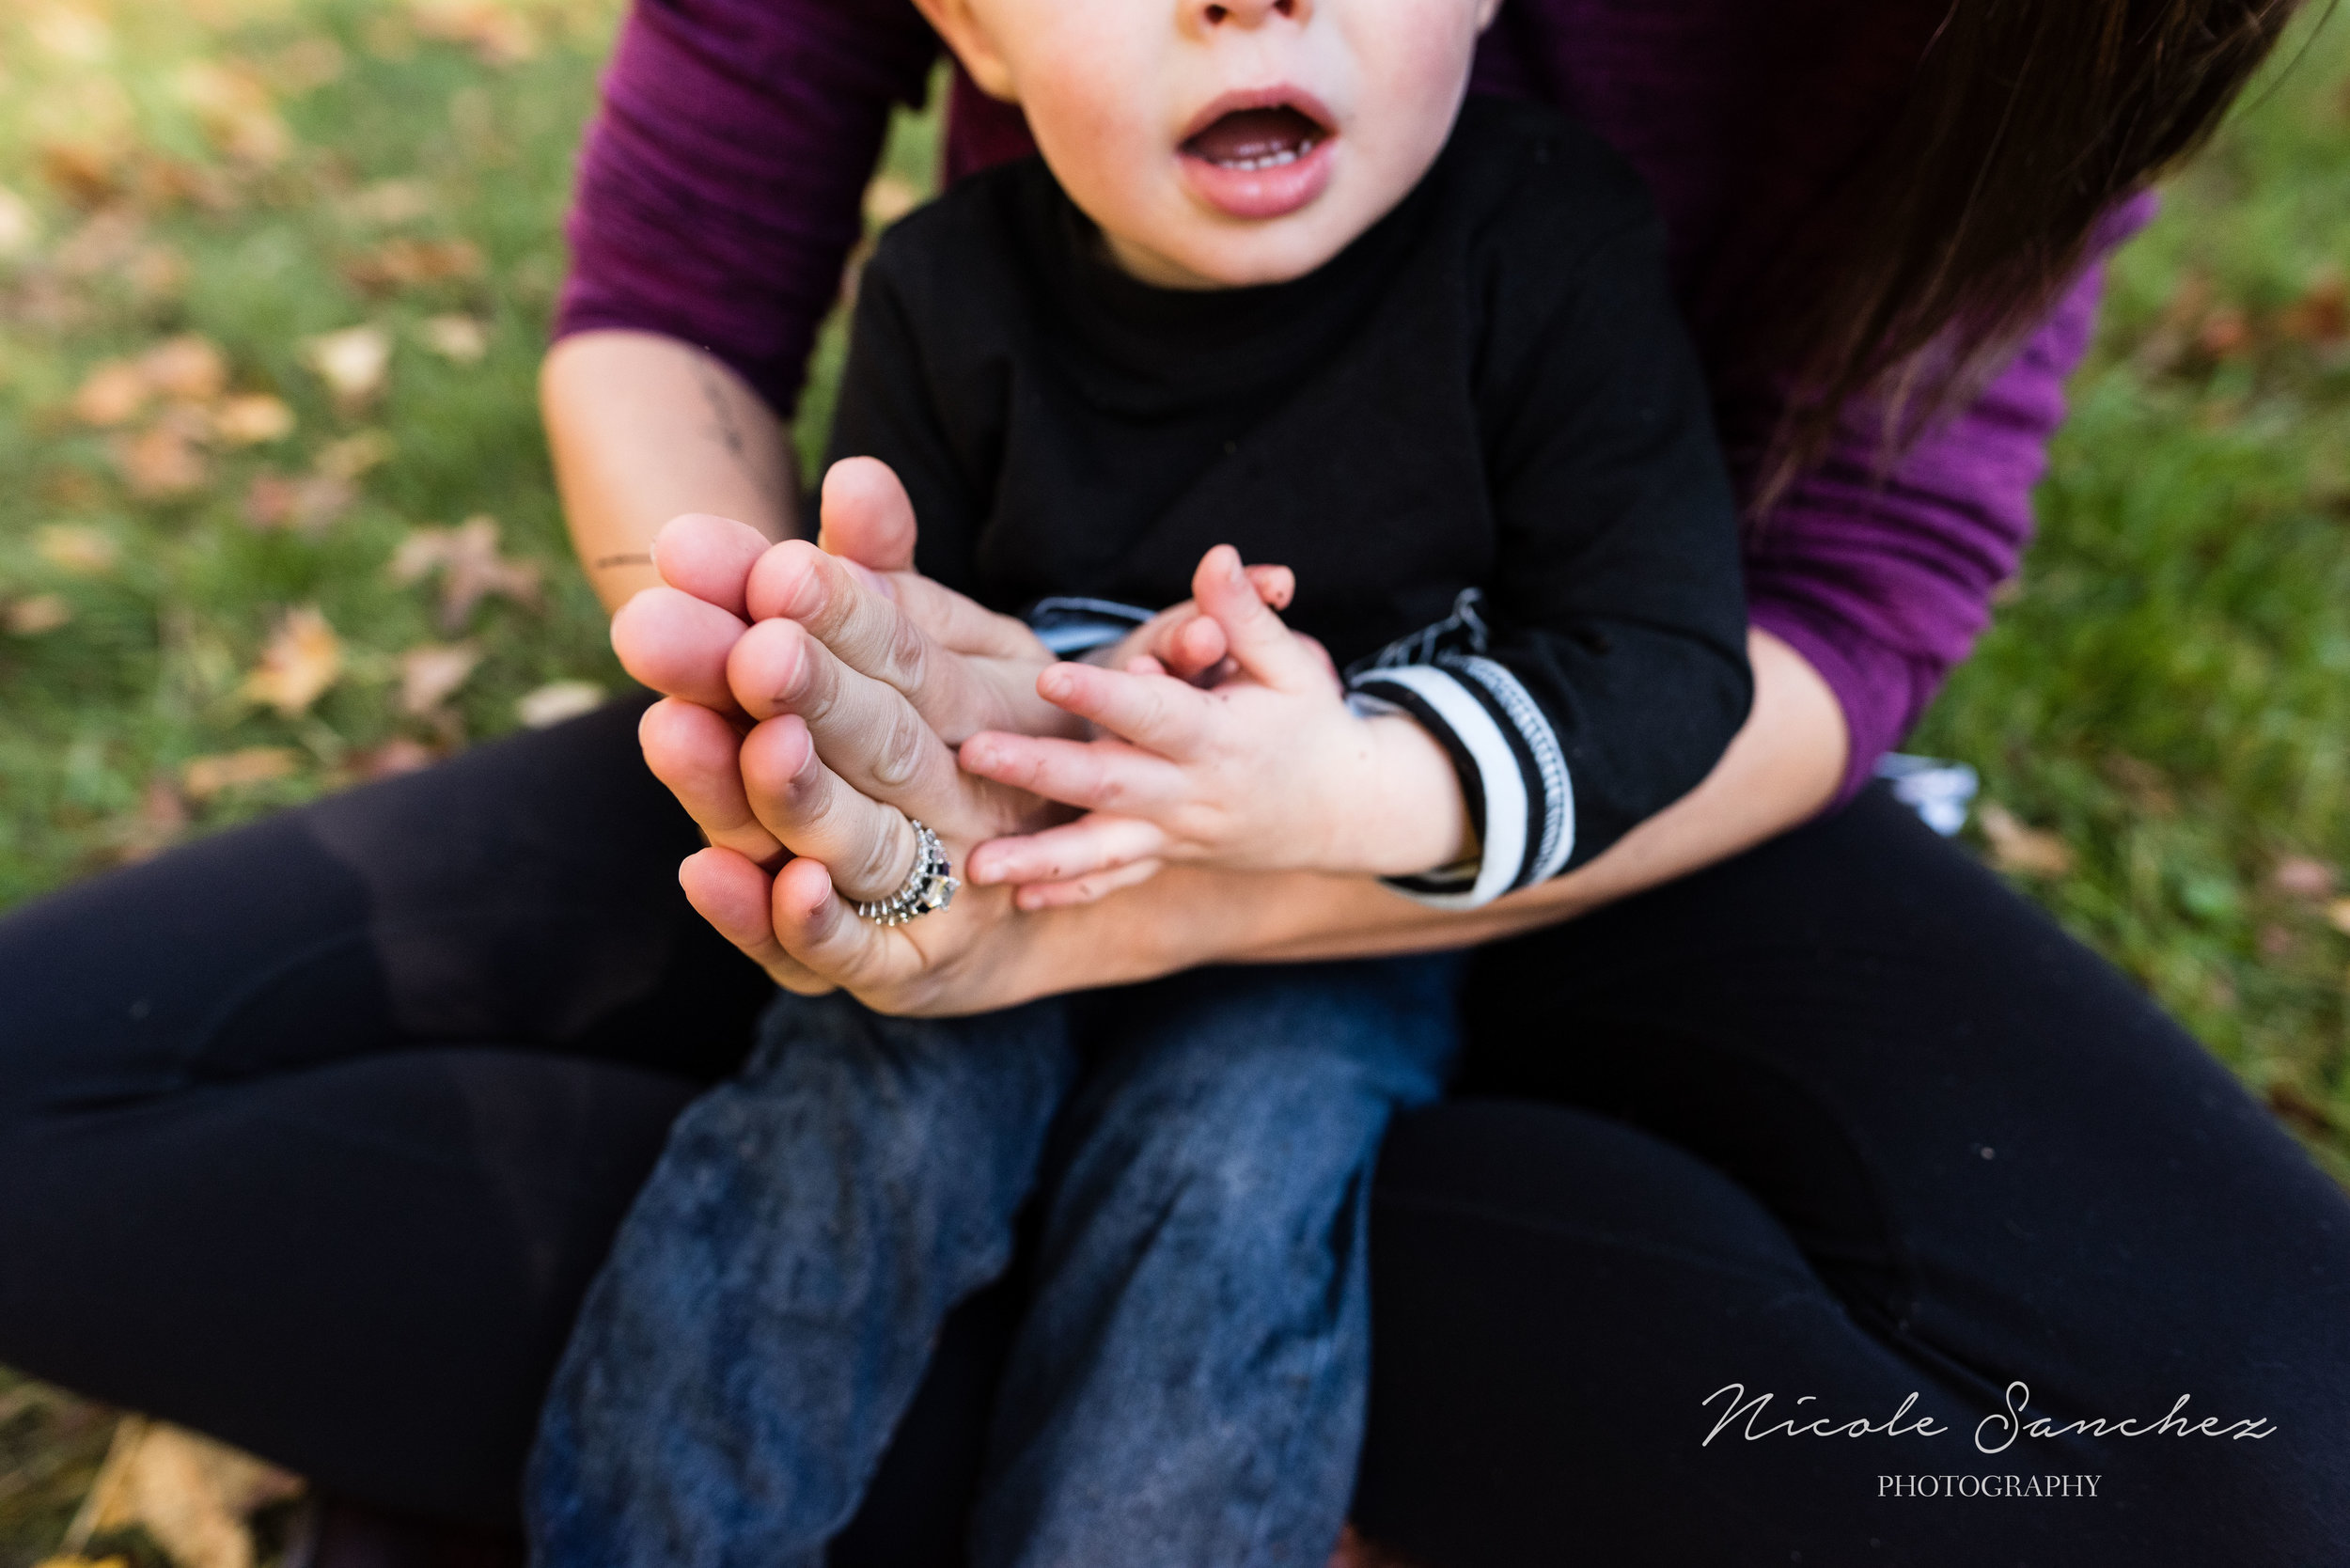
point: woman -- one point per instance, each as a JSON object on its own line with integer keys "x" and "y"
{"x": 350, "y": 1100}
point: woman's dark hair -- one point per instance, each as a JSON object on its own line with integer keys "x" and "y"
{"x": 2028, "y": 121}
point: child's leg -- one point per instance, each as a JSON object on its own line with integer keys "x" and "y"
{"x": 770, "y": 1303}
{"x": 1187, "y": 1388}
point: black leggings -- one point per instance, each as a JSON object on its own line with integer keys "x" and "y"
{"x": 311, "y": 1134}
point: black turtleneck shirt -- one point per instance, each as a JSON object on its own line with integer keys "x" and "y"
{"x": 1479, "y": 435}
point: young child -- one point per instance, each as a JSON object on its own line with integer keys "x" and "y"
{"x": 1271, "y": 282}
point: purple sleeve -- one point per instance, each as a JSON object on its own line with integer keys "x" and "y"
{"x": 719, "y": 189}
{"x": 1883, "y": 584}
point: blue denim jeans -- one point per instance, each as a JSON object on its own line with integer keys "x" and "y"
{"x": 1187, "y": 1388}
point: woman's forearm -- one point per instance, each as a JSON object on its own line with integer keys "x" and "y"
{"x": 1782, "y": 768}
{"x": 643, "y": 427}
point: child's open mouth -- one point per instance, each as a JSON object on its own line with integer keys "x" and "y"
{"x": 1259, "y": 155}
{"x": 1253, "y": 139}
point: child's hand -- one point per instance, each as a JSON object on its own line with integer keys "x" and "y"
{"x": 1266, "y": 770}
{"x": 1184, "y": 641}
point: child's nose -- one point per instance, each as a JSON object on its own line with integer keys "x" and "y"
{"x": 1248, "y": 13}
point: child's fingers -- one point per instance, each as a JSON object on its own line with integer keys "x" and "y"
{"x": 1057, "y": 895}
{"x": 1167, "y": 715}
{"x": 1098, "y": 776}
{"x": 1263, "y": 646}
{"x": 1275, "y": 585}
{"x": 1098, "y": 841}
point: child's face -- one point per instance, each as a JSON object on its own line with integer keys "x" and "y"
{"x": 1225, "y": 144}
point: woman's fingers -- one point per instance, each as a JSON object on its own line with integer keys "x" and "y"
{"x": 865, "y": 515}
{"x": 698, "y": 755}
{"x": 1261, "y": 644}
{"x": 820, "y": 932}
{"x": 806, "y": 806}
{"x": 737, "y": 898}
{"x": 1096, "y": 842}
{"x": 866, "y": 731}
{"x": 1166, "y": 714}
{"x": 874, "y": 635}
{"x": 1098, "y": 776}
{"x": 678, "y": 645}
{"x": 1085, "y": 889}
{"x": 709, "y": 558}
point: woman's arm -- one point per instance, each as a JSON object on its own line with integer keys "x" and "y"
{"x": 643, "y": 427}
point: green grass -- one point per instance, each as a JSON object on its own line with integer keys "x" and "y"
{"x": 2168, "y": 689}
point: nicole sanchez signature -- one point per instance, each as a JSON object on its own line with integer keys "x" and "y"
{"x": 1993, "y": 1433}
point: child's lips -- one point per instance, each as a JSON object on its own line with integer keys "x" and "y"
{"x": 1260, "y": 155}
{"x": 1262, "y": 187}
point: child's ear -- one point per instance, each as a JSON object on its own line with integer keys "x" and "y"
{"x": 957, "y": 22}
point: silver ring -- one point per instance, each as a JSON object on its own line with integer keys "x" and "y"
{"x": 929, "y": 888}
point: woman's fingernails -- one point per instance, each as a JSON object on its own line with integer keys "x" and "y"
{"x": 870, "y": 578}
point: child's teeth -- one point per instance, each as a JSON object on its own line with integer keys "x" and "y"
{"x": 1270, "y": 161}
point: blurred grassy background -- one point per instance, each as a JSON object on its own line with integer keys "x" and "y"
{"x": 275, "y": 276}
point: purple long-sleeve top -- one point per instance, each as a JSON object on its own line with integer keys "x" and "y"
{"x": 720, "y": 191}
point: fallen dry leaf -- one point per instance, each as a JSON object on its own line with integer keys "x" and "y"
{"x": 88, "y": 173}
{"x": 236, "y": 111}
{"x": 395, "y": 757}
{"x": 387, "y": 202}
{"x": 497, "y": 34}
{"x": 31, "y": 618}
{"x": 460, "y": 339}
{"x": 2299, "y": 876}
{"x": 112, "y": 394}
{"x": 306, "y": 502}
{"x": 2226, "y": 333}
{"x": 304, "y": 657}
{"x": 188, "y": 368}
{"x": 2338, "y": 914}
{"x": 2024, "y": 851}
{"x": 156, "y": 272}
{"x": 353, "y": 361}
{"x": 305, "y": 65}
{"x": 194, "y": 1496}
{"x": 253, "y": 419}
{"x": 430, "y": 673}
{"x": 557, "y": 700}
{"x": 107, "y": 240}
{"x": 405, "y": 264}
{"x": 20, "y": 231}
{"x": 78, "y": 548}
{"x": 205, "y": 776}
{"x": 157, "y": 824}
{"x": 470, "y": 568}
{"x": 888, "y": 198}
{"x": 71, "y": 32}
{"x": 2322, "y": 314}
{"x": 354, "y": 455}
{"x": 163, "y": 462}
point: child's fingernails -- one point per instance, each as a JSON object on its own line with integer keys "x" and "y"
{"x": 1055, "y": 681}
